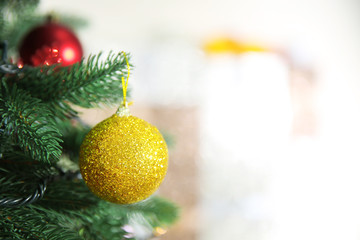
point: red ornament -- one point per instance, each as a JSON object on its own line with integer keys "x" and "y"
{"x": 49, "y": 44}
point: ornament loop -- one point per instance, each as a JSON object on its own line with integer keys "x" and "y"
{"x": 125, "y": 83}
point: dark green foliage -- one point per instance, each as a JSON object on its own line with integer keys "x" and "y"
{"x": 16, "y": 18}
{"x": 27, "y": 122}
{"x": 80, "y": 215}
{"x": 73, "y": 133}
{"x": 160, "y": 212}
{"x": 86, "y": 84}
{"x": 32, "y": 101}
{"x": 73, "y": 22}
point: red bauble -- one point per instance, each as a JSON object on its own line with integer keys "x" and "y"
{"x": 49, "y": 44}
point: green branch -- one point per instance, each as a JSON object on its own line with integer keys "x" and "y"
{"x": 158, "y": 211}
{"x": 86, "y": 84}
{"x": 33, "y": 223}
{"x": 73, "y": 132}
{"x": 27, "y": 122}
{"x": 16, "y": 18}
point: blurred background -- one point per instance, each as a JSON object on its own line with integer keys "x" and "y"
{"x": 261, "y": 99}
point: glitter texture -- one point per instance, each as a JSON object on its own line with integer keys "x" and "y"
{"x": 123, "y": 159}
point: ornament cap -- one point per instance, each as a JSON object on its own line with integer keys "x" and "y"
{"x": 123, "y": 110}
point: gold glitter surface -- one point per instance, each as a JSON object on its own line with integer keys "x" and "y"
{"x": 123, "y": 159}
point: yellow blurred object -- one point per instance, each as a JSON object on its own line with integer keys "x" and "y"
{"x": 158, "y": 231}
{"x": 221, "y": 45}
{"x": 228, "y": 45}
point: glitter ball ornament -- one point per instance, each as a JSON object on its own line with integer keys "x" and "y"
{"x": 49, "y": 44}
{"x": 123, "y": 159}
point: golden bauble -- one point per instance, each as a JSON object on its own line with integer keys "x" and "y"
{"x": 123, "y": 159}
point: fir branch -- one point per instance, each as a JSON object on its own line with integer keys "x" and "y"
{"x": 67, "y": 206}
{"x": 69, "y": 210}
{"x": 22, "y": 183}
{"x": 19, "y": 5}
{"x": 16, "y": 18}
{"x": 158, "y": 211}
{"x": 71, "y": 21}
{"x": 86, "y": 84}
{"x": 108, "y": 224}
{"x": 35, "y": 223}
{"x": 71, "y": 197}
{"x": 28, "y": 123}
{"x": 73, "y": 132}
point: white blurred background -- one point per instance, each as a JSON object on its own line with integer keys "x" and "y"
{"x": 267, "y": 141}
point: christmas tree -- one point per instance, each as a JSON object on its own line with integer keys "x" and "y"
{"x": 43, "y": 195}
